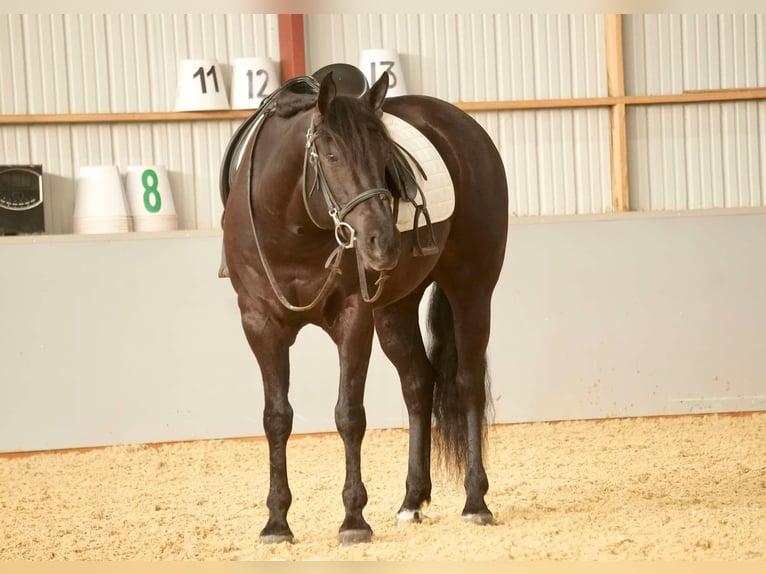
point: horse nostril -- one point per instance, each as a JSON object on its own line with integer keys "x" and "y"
{"x": 376, "y": 244}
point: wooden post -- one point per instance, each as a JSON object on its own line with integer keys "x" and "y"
{"x": 615, "y": 81}
{"x": 292, "y": 48}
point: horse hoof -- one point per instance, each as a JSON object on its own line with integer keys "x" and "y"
{"x": 351, "y": 537}
{"x": 408, "y": 517}
{"x": 482, "y": 518}
{"x": 276, "y": 538}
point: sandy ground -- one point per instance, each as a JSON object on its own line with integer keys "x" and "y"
{"x": 685, "y": 488}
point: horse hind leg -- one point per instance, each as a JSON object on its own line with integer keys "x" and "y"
{"x": 460, "y": 328}
{"x": 402, "y": 342}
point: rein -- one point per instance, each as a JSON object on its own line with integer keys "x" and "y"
{"x": 345, "y": 234}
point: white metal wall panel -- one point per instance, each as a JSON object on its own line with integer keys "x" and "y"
{"x": 101, "y": 63}
{"x": 69, "y": 64}
{"x": 667, "y": 54}
{"x": 697, "y": 156}
{"x": 473, "y": 57}
{"x": 557, "y": 161}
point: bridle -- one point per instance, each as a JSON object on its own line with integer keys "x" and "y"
{"x": 345, "y": 234}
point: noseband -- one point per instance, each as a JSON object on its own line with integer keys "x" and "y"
{"x": 345, "y": 234}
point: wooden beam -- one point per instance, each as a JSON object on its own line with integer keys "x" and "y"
{"x": 618, "y": 144}
{"x": 510, "y": 105}
{"x": 615, "y": 82}
{"x": 696, "y": 97}
{"x": 292, "y": 47}
{"x": 615, "y": 71}
{"x": 124, "y": 118}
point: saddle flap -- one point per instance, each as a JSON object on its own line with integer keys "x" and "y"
{"x": 400, "y": 178}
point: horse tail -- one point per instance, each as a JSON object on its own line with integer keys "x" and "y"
{"x": 450, "y": 425}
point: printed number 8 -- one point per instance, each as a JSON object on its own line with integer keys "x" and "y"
{"x": 152, "y": 198}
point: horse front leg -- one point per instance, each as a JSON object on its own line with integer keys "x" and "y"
{"x": 270, "y": 344}
{"x": 352, "y": 333}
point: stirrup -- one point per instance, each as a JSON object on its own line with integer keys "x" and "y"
{"x": 418, "y": 250}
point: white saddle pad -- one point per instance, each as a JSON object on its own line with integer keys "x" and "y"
{"x": 438, "y": 188}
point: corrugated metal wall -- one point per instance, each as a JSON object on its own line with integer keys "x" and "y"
{"x": 557, "y": 161}
{"x": 120, "y": 63}
{"x": 694, "y": 156}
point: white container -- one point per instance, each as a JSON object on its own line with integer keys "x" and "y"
{"x": 100, "y": 205}
{"x": 375, "y": 62}
{"x": 200, "y": 86}
{"x": 252, "y": 80}
{"x": 150, "y": 198}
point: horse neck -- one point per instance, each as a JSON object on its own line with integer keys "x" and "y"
{"x": 279, "y": 185}
{"x": 278, "y": 189}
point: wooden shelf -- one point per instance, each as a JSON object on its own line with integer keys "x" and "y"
{"x": 692, "y": 97}
{"x": 121, "y": 118}
{"x": 97, "y": 237}
{"x": 695, "y": 97}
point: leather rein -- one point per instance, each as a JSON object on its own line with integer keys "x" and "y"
{"x": 345, "y": 234}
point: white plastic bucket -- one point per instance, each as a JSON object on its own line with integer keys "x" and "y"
{"x": 150, "y": 198}
{"x": 100, "y": 204}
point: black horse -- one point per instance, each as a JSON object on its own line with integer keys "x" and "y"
{"x": 315, "y": 180}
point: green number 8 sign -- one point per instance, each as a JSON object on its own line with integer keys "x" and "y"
{"x": 152, "y": 198}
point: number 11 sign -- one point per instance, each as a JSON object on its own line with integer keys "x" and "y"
{"x": 200, "y": 86}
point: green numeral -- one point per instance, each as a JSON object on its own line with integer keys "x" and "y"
{"x": 152, "y": 199}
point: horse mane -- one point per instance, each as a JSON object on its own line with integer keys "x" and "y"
{"x": 291, "y": 103}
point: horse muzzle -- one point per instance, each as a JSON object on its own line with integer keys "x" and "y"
{"x": 380, "y": 250}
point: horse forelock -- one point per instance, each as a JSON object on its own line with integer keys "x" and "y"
{"x": 356, "y": 127}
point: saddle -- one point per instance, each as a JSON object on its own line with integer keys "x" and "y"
{"x": 400, "y": 175}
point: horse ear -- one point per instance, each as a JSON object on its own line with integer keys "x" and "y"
{"x": 327, "y": 92}
{"x": 377, "y": 93}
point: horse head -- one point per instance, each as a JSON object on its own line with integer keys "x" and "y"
{"x": 352, "y": 148}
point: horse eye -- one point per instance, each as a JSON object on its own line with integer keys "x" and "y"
{"x": 332, "y": 158}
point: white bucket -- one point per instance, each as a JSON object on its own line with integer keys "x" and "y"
{"x": 100, "y": 205}
{"x": 374, "y": 62}
{"x": 200, "y": 86}
{"x": 150, "y": 198}
{"x": 252, "y": 80}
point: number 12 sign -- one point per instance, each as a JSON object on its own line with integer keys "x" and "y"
{"x": 252, "y": 80}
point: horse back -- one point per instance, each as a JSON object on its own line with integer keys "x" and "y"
{"x": 472, "y": 159}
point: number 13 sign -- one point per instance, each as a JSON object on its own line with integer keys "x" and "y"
{"x": 375, "y": 63}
